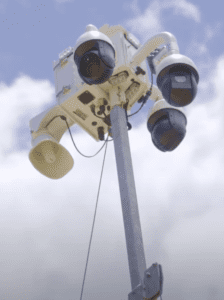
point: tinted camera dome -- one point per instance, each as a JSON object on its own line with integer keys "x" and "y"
{"x": 178, "y": 84}
{"x": 95, "y": 61}
{"x": 169, "y": 130}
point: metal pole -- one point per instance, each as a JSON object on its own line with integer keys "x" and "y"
{"x": 134, "y": 242}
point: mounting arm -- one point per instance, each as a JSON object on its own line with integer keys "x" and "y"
{"x": 152, "y": 44}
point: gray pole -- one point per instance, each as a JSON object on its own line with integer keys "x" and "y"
{"x": 134, "y": 242}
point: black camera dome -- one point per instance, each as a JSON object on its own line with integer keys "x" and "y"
{"x": 95, "y": 61}
{"x": 169, "y": 130}
{"x": 178, "y": 84}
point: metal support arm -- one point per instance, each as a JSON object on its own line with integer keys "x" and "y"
{"x": 152, "y": 44}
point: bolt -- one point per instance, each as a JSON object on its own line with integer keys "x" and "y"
{"x": 154, "y": 265}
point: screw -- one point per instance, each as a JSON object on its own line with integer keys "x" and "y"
{"x": 154, "y": 265}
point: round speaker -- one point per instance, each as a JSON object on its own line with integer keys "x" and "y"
{"x": 51, "y": 159}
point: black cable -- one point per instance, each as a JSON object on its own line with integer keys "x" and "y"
{"x": 64, "y": 118}
{"x": 145, "y": 98}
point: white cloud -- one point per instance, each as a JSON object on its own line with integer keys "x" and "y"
{"x": 3, "y": 5}
{"x": 199, "y": 44}
{"x": 211, "y": 31}
{"x": 132, "y": 6}
{"x": 202, "y": 49}
{"x": 25, "y": 97}
{"x": 196, "y": 48}
{"x": 186, "y": 9}
{"x": 150, "y": 21}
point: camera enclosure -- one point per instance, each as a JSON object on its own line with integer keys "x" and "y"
{"x": 94, "y": 56}
{"x": 177, "y": 79}
{"x": 167, "y": 125}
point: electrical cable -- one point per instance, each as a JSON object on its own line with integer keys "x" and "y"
{"x": 64, "y": 118}
{"x": 145, "y": 98}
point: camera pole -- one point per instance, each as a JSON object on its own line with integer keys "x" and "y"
{"x": 134, "y": 241}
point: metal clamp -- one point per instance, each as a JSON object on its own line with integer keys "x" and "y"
{"x": 156, "y": 53}
{"x": 153, "y": 285}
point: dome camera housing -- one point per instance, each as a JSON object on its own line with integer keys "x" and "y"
{"x": 94, "y": 56}
{"x": 167, "y": 126}
{"x": 177, "y": 79}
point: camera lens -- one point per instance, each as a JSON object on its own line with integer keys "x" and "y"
{"x": 180, "y": 78}
{"x": 90, "y": 65}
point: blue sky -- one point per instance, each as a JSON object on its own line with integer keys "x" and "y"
{"x": 45, "y": 224}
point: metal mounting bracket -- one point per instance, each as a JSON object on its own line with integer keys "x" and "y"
{"x": 153, "y": 285}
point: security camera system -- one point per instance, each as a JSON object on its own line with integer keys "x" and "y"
{"x": 96, "y": 83}
{"x": 112, "y": 58}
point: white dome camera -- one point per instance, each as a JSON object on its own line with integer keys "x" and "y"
{"x": 94, "y": 56}
{"x": 177, "y": 79}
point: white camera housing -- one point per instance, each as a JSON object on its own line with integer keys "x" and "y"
{"x": 92, "y": 33}
{"x": 177, "y": 77}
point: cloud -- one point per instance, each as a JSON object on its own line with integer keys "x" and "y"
{"x": 3, "y": 5}
{"x": 196, "y": 48}
{"x": 150, "y": 21}
{"x": 133, "y": 6}
{"x": 23, "y": 99}
{"x": 185, "y": 8}
{"x": 146, "y": 24}
{"x": 199, "y": 50}
{"x": 211, "y": 31}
